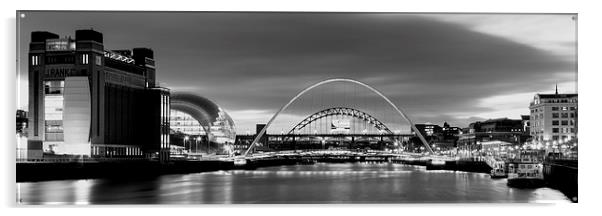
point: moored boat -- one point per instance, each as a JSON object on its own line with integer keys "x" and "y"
{"x": 526, "y": 170}
{"x": 499, "y": 170}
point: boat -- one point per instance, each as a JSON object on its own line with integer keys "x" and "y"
{"x": 240, "y": 161}
{"x": 499, "y": 170}
{"x": 526, "y": 170}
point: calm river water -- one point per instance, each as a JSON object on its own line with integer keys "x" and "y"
{"x": 319, "y": 183}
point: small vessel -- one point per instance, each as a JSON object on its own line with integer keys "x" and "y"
{"x": 526, "y": 171}
{"x": 240, "y": 161}
{"x": 499, "y": 170}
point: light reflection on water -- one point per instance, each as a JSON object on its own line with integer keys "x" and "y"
{"x": 320, "y": 183}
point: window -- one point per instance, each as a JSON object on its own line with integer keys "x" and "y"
{"x": 554, "y": 130}
{"x": 565, "y": 122}
{"x": 573, "y": 108}
{"x": 572, "y": 130}
{"x": 554, "y": 137}
{"x": 572, "y": 115}
{"x": 565, "y": 108}
{"x": 572, "y": 122}
{"x": 564, "y": 115}
{"x": 554, "y": 108}
{"x": 54, "y": 87}
{"x": 554, "y": 115}
{"x": 35, "y": 60}
{"x": 98, "y": 59}
{"x": 84, "y": 58}
{"x": 555, "y": 122}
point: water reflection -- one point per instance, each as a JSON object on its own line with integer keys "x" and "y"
{"x": 320, "y": 183}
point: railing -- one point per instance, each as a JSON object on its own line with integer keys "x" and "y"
{"x": 492, "y": 161}
{"x": 77, "y": 160}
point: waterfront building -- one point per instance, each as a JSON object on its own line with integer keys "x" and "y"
{"x": 553, "y": 117}
{"x": 199, "y": 125}
{"x": 85, "y": 100}
{"x": 439, "y": 138}
{"x": 526, "y": 123}
{"x": 492, "y": 134}
{"x": 427, "y": 129}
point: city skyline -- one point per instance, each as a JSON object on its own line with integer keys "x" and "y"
{"x": 439, "y": 67}
{"x": 282, "y": 107}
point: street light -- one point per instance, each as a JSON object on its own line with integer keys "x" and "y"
{"x": 185, "y": 141}
{"x": 198, "y": 139}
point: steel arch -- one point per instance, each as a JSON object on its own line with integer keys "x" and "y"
{"x": 341, "y": 111}
{"x": 399, "y": 111}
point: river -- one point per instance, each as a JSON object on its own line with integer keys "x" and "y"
{"x": 319, "y": 183}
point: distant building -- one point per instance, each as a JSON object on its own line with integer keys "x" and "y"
{"x": 526, "y": 123}
{"x": 243, "y": 142}
{"x": 427, "y": 129}
{"x": 492, "y": 133}
{"x": 85, "y": 100}
{"x": 553, "y": 117}
{"x": 439, "y": 138}
{"x": 264, "y": 139}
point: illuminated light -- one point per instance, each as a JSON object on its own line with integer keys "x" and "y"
{"x": 118, "y": 57}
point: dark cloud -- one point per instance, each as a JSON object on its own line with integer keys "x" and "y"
{"x": 257, "y": 61}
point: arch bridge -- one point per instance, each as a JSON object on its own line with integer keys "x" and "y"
{"x": 341, "y": 111}
{"x": 261, "y": 133}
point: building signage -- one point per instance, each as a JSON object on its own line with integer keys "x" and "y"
{"x": 149, "y": 62}
{"x": 118, "y": 57}
{"x": 60, "y": 45}
{"x": 340, "y": 126}
{"x": 60, "y": 72}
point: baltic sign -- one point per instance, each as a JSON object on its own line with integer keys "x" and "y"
{"x": 60, "y": 72}
{"x": 60, "y": 45}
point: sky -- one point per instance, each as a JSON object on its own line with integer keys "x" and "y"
{"x": 457, "y": 68}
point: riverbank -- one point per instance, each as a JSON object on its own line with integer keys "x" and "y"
{"x": 28, "y": 172}
{"x": 33, "y": 172}
{"x": 321, "y": 183}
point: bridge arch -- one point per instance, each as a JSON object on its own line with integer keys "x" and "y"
{"x": 399, "y": 111}
{"x": 341, "y": 111}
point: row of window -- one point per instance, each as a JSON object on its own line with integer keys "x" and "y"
{"x": 563, "y": 108}
{"x": 563, "y": 115}
{"x": 557, "y": 138}
{"x": 563, "y": 122}
{"x": 574, "y": 100}
{"x": 35, "y": 60}
{"x": 563, "y": 130}
{"x": 116, "y": 151}
{"x": 554, "y": 138}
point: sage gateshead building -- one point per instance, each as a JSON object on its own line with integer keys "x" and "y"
{"x": 85, "y": 100}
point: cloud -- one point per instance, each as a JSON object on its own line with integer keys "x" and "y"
{"x": 436, "y": 67}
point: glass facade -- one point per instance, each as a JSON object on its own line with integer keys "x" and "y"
{"x": 184, "y": 123}
{"x": 222, "y": 129}
{"x": 53, "y": 113}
